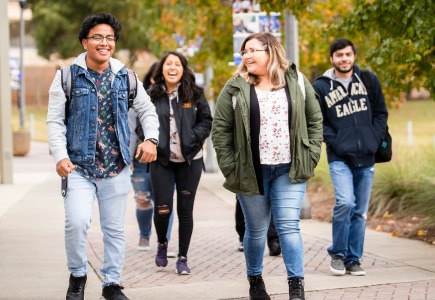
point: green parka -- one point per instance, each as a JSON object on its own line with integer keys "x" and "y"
{"x": 231, "y": 133}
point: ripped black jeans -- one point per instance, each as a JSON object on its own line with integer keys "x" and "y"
{"x": 186, "y": 179}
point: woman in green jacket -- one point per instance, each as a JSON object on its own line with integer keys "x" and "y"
{"x": 267, "y": 133}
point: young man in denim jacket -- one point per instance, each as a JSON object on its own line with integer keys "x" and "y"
{"x": 89, "y": 141}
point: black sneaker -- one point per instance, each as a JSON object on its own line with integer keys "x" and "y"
{"x": 337, "y": 266}
{"x": 296, "y": 288}
{"x": 355, "y": 269}
{"x": 181, "y": 267}
{"x": 76, "y": 288}
{"x": 162, "y": 255}
{"x": 113, "y": 292}
{"x": 274, "y": 248}
{"x": 257, "y": 290}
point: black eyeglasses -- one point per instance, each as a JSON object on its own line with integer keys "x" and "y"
{"x": 99, "y": 38}
{"x": 251, "y": 51}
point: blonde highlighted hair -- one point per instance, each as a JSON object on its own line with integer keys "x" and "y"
{"x": 276, "y": 66}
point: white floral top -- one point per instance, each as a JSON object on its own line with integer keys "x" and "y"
{"x": 274, "y": 128}
{"x": 174, "y": 138}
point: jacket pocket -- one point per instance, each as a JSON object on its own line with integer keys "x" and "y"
{"x": 78, "y": 120}
{"x": 304, "y": 163}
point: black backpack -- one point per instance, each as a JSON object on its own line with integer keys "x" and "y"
{"x": 385, "y": 151}
{"x": 65, "y": 77}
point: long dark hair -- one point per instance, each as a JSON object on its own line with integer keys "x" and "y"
{"x": 188, "y": 90}
{"x": 149, "y": 75}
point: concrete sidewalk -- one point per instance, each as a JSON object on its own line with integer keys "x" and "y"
{"x": 33, "y": 262}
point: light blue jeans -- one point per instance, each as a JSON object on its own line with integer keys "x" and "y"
{"x": 352, "y": 187}
{"x": 284, "y": 200}
{"x": 141, "y": 182}
{"x": 112, "y": 196}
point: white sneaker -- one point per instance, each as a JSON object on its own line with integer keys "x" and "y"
{"x": 144, "y": 244}
{"x": 171, "y": 253}
{"x": 240, "y": 247}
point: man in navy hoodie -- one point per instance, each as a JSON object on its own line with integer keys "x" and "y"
{"x": 352, "y": 131}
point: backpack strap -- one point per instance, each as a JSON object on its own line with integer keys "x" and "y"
{"x": 132, "y": 87}
{"x": 367, "y": 81}
{"x": 301, "y": 83}
{"x": 65, "y": 77}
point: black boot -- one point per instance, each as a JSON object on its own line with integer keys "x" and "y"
{"x": 296, "y": 288}
{"x": 76, "y": 289}
{"x": 274, "y": 247}
{"x": 113, "y": 291}
{"x": 257, "y": 290}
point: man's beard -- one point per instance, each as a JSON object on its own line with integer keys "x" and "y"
{"x": 344, "y": 71}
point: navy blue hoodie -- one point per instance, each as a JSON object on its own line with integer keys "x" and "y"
{"x": 352, "y": 129}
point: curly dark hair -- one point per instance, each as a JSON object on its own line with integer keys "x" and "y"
{"x": 188, "y": 91}
{"x": 101, "y": 18}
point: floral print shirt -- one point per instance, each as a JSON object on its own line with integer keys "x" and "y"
{"x": 174, "y": 139}
{"x": 108, "y": 158}
{"x": 274, "y": 141}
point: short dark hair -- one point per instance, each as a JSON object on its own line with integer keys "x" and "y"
{"x": 101, "y": 18}
{"x": 339, "y": 44}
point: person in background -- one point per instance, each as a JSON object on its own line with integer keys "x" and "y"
{"x": 91, "y": 149}
{"x": 352, "y": 131}
{"x": 140, "y": 178}
{"x": 267, "y": 133}
{"x": 185, "y": 122}
{"x": 272, "y": 235}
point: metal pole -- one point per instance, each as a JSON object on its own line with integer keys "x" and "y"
{"x": 21, "y": 104}
{"x": 211, "y": 165}
{"x": 5, "y": 100}
{"x": 291, "y": 37}
{"x": 292, "y": 49}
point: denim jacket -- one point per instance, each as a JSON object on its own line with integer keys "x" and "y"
{"x": 77, "y": 140}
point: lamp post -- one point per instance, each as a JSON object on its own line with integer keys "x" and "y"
{"x": 21, "y": 102}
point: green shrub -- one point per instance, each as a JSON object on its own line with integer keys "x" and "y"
{"x": 406, "y": 185}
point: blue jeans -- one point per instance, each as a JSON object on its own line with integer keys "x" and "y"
{"x": 112, "y": 195}
{"x": 143, "y": 195}
{"x": 352, "y": 187}
{"x": 284, "y": 200}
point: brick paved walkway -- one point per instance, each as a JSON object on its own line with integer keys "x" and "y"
{"x": 213, "y": 258}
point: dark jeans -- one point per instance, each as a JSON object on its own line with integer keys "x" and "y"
{"x": 272, "y": 235}
{"x": 186, "y": 179}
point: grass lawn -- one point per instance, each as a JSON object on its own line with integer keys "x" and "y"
{"x": 39, "y": 116}
{"x": 421, "y": 114}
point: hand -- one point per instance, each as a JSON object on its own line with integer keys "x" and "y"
{"x": 64, "y": 167}
{"x": 146, "y": 152}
